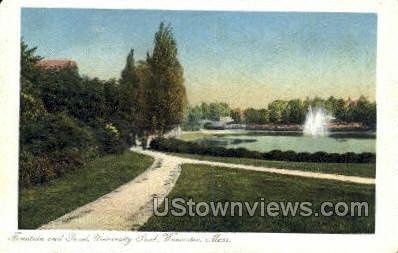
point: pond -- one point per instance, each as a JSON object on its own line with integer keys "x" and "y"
{"x": 267, "y": 141}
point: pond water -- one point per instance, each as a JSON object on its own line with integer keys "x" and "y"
{"x": 264, "y": 142}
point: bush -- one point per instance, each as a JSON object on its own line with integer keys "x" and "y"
{"x": 303, "y": 156}
{"x": 34, "y": 170}
{"x": 319, "y": 157}
{"x": 53, "y": 145}
{"x": 66, "y": 119}
{"x": 179, "y": 146}
{"x": 109, "y": 141}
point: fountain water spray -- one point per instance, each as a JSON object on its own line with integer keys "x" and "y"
{"x": 316, "y": 122}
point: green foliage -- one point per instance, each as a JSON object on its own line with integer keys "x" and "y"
{"x": 180, "y": 146}
{"x": 88, "y": 104}
{"x": 364, "y": 112}
{"x": 52, "y": 145}
{"x": 109, "y": 137}
{"x": 63, "y": 119}
{"x": 276, "y": 111}
{"x": 59, "y": 88}
{"x": 129, "y": 108}
{"x": 214, "y": 111}
{"x": 293, "y": 111}
{"x": 253, "y": 116}
{"x": 192, "y": 119}
{"x": 67, "y": 119}
{"x": 237, "y": 116}
{"x": 164, "y": 95}
{"x": 29, "y": 61}
{"x": 33, "y": 169}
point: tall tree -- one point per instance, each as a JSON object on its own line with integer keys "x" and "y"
{"x": 165, "y": 93}
{"x": 29, "y": 60}
{"x": 129, "y": 96}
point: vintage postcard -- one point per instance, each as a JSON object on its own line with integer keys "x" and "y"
{"x": 199, "y": 126}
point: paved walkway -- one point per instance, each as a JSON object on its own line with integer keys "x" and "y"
{"x": 130, "y": 206}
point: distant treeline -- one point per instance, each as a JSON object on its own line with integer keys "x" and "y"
{"x": 66, "y": 119}
{"x": 285, "y": 112}
{"x": 180, "y": 146}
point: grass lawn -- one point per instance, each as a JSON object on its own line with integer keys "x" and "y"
{"x": 349, "y": 169}
{"x": 204, "y": 183}
{"x": 40, "y": 204}
{"x": 194, "y": 135}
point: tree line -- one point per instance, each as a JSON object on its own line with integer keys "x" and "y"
{"x": 67, "y": 119}
{"x": 291, "y": 111}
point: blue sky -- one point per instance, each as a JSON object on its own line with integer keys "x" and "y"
{"x": 243, "y": 58}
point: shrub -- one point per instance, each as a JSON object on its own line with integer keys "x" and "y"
{"x": 109, "y": 141}
{"x": 290, "y": 156}
{"x": 319, "y": 157}
{"x": 303, "y": 156}
{"x": 52, "y": 145}
{"x": 179, "y": 146}
{"x": 34, "y": 170}
{"x": 66, "y": 119}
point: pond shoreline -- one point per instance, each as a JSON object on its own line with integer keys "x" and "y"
{"x": 332, "y": 127}
{"x": 371, "y": 132}
{"x": 265, "y": 141}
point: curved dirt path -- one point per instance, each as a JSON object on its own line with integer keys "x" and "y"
{"x": 130, "y": 206}
{"x": 126, "y": 208}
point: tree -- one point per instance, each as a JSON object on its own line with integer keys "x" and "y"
{"x": 163, "y": 86}
{"x": 371, "y": 116}
{"x": 192, "y": 119}
{"x": 204, "y": 108}
{"x": 218, "y": 110}
{"x": 129, "y": 96}
{"x": 364, "y": 112}
{"x": 254, "y": 116}
{"x": 339, "y": 112}
{"x": 214, "y": 111}
{"x": 29, "y": 60}
{"x": 276, "y": 109}
{"x": 52, "y": 139}
{"x": 295, "y": 112}
{"x": 60, "y": 88}
{"x": 224, "y": 110}
{"x": 236, "y": 115}
{"x": 318, "y": 102}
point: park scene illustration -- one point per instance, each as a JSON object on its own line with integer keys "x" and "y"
{"x": 122, "y": 109}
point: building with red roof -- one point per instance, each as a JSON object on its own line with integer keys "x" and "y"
{"x": 57, "y": 63}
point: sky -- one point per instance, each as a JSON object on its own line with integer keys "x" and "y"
{"x": 246, "y": 59}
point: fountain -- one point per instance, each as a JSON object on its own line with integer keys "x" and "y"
{"x": 315, "y": 122}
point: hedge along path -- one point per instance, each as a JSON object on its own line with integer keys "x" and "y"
{"x": 300, "y": 173}
{"x": 131, "y": 205}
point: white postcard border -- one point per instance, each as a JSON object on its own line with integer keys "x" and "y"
{"x": 384, "y": 240}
